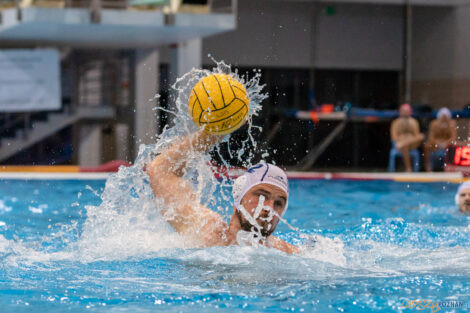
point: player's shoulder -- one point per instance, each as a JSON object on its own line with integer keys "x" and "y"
{"x": 434, "y": 123}
{"x": 414, "y": 121}
{"x": 212, "y": 229}
{"x": 280, "y": 244}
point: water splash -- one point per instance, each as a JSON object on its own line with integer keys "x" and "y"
{"x": 128, "y": 222}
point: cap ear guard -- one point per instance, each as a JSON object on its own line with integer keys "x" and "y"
{"x": 237, "y": 188}
{"x": 456, "y": 198}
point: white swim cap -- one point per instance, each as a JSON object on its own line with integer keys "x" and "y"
{"x": 261, "y": 173}
{"x": 464, "y": 185}
{"x": 444, "y": 112}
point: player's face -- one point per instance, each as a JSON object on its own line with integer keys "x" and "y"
{"x": 405, "y": 111}
{"x": 464, "y": 200}
{"x": 264, "y": 203}
{"x": 444, "y": 118}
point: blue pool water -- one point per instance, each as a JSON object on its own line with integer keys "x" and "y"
{"x": 401, "y": 242}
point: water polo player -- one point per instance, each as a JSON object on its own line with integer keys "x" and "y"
{"x": 260, "y": 197}
{"x": 462, "y": 197}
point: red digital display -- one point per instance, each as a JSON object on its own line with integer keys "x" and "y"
{"x": 461, "y": 156}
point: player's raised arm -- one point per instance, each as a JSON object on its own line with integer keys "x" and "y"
{"x": 173, "y": 159}
{"x": 165, "y": 173}
{"x": 218, "y": 104}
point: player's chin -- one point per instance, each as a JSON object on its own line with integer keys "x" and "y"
{"x": 267, "y": 228}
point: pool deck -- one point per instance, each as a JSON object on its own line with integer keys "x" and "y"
{"x": 74, "y": 172}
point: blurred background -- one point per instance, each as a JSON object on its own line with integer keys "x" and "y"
{"x": 78, "y": 78}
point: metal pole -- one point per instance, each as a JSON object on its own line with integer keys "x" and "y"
{"x": 19, "y": 15}
{"x": 95, "y": 11}
{"x": 26, "y": 125}
{"x": 313, "y": 47}
{"x": 408, "y": 50}
{"x": 234, "y": 5}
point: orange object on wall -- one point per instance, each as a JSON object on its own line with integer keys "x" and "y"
{"x": 327, "y": 108}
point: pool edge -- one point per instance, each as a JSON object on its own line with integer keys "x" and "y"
{"x": 358, "y": 176}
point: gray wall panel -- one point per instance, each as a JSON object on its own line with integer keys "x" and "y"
{"x": 280, "y": 34}
{"x": 269, "y": 33}
{"x": 434, "y": 36}
{"x": 361, "y": 37}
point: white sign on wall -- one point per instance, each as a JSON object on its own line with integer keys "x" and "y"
{"x": 29, "y": 80}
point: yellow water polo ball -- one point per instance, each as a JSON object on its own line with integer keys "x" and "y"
{"x": 219, "y": 103}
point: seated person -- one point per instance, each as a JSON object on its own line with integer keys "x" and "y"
{"x": 462, "y": 198}
{"x": 442, "y": 132}
{"x": 405, "y": 134}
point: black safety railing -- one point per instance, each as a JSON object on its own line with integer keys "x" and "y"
{"x": 13, "y": 121}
